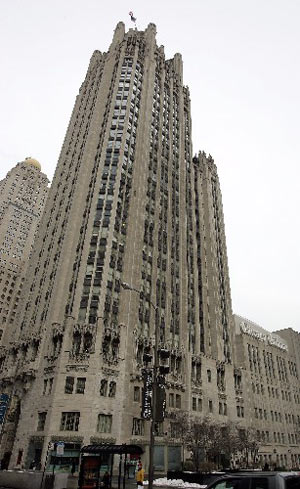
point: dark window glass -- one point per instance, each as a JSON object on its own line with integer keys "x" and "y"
{"x": 103, "y": 387}
{"x": 69, "y": 421}
{"x": 112, "y": 389}
{"x": 292, "y": 482}
{"x": 80, "y": 385}
{"x": 232, "y": 484}
{"x": 260, "y": 483}
{"x": 41, "y": 421}
{"x": 69, "y": 385}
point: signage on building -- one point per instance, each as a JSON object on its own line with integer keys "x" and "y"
{"x": 160, "y": 399}
{"x": 4, "y": 400}
{"x": 60, "y": 448}
{"x": 267, "y": 338}
{"x": 147, "y": 393}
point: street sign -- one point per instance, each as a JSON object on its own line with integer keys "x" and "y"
{"x": 60, "y": 448}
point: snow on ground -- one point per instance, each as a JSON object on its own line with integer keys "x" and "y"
{"x": 175, "y": 483}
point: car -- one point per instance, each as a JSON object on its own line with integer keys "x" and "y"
{"x": 257, "y": 480}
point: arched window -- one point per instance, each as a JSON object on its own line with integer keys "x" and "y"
{"x": 34, "y": 351}
{"x": 115, "y": 347}
{"x": 87, "y": 342}
{"x": 59, "y": 344}
{"x": 54, "y": 345}
{"x": 76, "y": 342}
{"x": 112, "y": 389}
{"x": 103, "y": 387}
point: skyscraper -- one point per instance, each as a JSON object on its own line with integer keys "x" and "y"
{"x": 128, "y": 205}
{"x": 22, "y": 198}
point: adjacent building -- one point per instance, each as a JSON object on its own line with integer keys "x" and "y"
{"x": 271, "y": 366}
{"x": 22, "y": 198}
{"x": 132, "y": 242}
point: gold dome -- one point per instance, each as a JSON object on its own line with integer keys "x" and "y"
{"x": 32, "y": 162}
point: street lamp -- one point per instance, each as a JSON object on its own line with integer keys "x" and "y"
{"x": 155, "y": 385}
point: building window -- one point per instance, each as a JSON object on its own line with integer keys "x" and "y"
{"x": 208, "y": 375}
{"x": 80, "y": 385}
{"x": 136, "y": 394}
{"x": 103, "y": 387}
{"x": 20, "y": 456}
{"x": 50, "y": 385}
{"x": 159, "y": 429}
{"x": 210, "y": 406}
{"x": 171, "y": 400}
{"x": 69, "y": 421}
{"x": 104, "y": 423}
{"x": 176, "y": 430}
{"x": 178, "y": 401}
{"x": 69, "y": 385}
{"x": 194, "y": 404}
{"x": 137, "y": 427}
{"x": 112, "y": 389}
{"x": 41, "y": 421}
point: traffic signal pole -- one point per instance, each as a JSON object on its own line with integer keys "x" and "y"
{"x": 154, "y": 403}
{"x": 154, "y": 391}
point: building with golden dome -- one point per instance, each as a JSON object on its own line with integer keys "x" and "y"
{"x": 22, "y": 198}
{"x": 32, "y": 162}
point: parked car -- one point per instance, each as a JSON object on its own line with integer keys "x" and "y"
{"x": 257, "y": 480}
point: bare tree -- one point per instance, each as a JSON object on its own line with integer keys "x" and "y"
{"x": 203, "y": 440}
{"x": 249, "y": 445}
{"x": 179, "y": 428}
{"x": 218, "y": 444}
{"x": 229, "y": 442}
{"x": 212, "y": 445}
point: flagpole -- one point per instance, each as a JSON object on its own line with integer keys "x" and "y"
{"x": 133, "y": 18}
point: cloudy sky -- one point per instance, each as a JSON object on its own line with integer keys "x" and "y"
{"x": 241, "y": 62}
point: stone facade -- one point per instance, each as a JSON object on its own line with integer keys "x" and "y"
{"x": 23, "y": 194}
{"x": 22, "y": 198}
{"x": 271, "y": 366}
{"x": 128, "y": 204}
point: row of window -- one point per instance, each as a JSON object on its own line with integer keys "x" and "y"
{"x": 77, "y": 385}
{"x": 260, "y": 413}
{"x": 274, "y": 392}
{"x": 146, "y": 271}
{"x": 70, "y": 422}
{"x": 255, "y": 364}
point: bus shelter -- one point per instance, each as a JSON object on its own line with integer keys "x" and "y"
{"x": 96, "y": 459}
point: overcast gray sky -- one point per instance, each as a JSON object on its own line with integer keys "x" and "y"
{"x": 241, "y": 62}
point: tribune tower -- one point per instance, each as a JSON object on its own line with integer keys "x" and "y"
{"x": 128, "y": 204}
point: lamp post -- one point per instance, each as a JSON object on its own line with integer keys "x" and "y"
{"x": 127, "y": 286}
